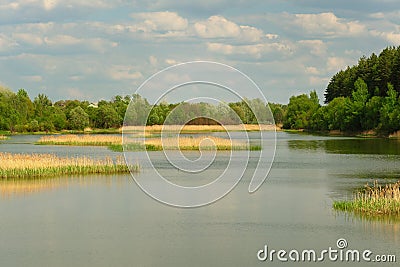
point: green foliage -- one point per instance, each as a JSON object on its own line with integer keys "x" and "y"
{"x": 376, "y": 71}
{"x": 300, "y": 111}
{"x": 78, "y": 119}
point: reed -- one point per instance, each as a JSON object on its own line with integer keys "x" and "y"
{"x": 185, "y": 143}
{"x": 81, "y": 140}
{"x": 199, "y": 128}
{"x": 374, "y": 200}
{"x": 45, "y": 165}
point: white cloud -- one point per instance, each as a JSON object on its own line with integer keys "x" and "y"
{"x": 6, "y": 43}
{"x": 153, "y": 61}
{"x": 33, "y": 78}
{"x": 220, "y": 27}
{"x": 312, "y": 70}
{"x": 254, "y": 50}
{"x": 170, "y": 61}
{"x": 316, "y": 47}
{"x": 318, "y": 81}
{"x": 391, "y": 37}
{"x": 49, "y": 4}
{"x": 217, "y": 27}
{"x": 28, "y": 38}
{"x": 271, "y": 36}
{"x": 336, "y": 63}
{"x": 62, "y": 40}
{"x": 159, "y": 21}
{"x": 124, "y": 72}
{"x": 10, "y": 6}
{"x": 327, "y": 24}
{"x": 94, "y": 44}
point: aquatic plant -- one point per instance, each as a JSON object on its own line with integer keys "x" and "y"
{"x": 43, "y": 165}
{"x": 81, "y": 140}
{"x": 374, "y": 200}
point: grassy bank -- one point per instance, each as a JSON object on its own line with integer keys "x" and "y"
{"x": 46, "y": 165}
{"x": 374, "y": 200}
{"x": 185, "y": 143}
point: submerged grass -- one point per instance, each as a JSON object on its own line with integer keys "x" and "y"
{"x": 46, "y": 165}
{"x": 374, "y": 200}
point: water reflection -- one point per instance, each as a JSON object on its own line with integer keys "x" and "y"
{"x": 10, "y": 188}
{"x": 384, "y": 225}
{"x": 377, "y": 146}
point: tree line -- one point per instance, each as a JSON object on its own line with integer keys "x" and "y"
{"x": 18, "y": 113}
{"x": 360, "y": 98}
{"x": 375, "y": 71}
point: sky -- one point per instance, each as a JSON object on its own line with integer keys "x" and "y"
{"x": 96, "y": 49}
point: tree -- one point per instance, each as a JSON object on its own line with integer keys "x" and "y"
{"x": 390, "y": 112}
{"x": 78, "y": 119}
{"x": 300, "y": 111}
{"x": 360, "y": 98}
{"x": 107, "y": 117}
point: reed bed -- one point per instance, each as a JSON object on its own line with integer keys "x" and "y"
{"x": 185, "y": 143}
{"x": 374, "y": 200}
{"x": 199, "y": 128}
{"x": 45, "y": 165}
{"x": 81, "y": 140}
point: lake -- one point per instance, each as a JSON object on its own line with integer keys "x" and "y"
{"x": 110, "y": 221}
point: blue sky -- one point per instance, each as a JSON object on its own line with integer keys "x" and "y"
{"x": 96, "y": 49}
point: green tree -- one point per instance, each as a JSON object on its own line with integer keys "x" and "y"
{"x": 300, "y": 111}
{"x": 78, "y": 119}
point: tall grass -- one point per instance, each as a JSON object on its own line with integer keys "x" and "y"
{"x": 374, "y": 200}
{"x": 44, "y": 165}
{"x": 81, "y": 140}
{"x": 185, "y": 143}
{"x": 199, "y": 128}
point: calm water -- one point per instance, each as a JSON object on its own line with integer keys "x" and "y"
{"x": 109, "y": 221}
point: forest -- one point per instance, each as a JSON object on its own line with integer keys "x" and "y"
{"x": 18, "y": 113}
{"x": 361, "y": 98}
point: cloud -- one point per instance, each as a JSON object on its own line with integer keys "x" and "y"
{"x": 217, "y": 27}
{"x": 62, "y": 40}
{"x": 327, "y": 24}
{"x": 391, "y": 37}
{"x": 336, "y": 63}
{"x": 220, "y": 27}
{"x": 33, "y": 78}
{"x": 316, "y": 47}
{"x": 153, "y": 61}
{"x": 312, "y": 70}
{"x": 124, "y": 72}
{"x": 254, "y": 50}
{"x": 10, "y": 6}
{"x": 6, "y": 43}
{"x": 159, "y": 22}
{"x": 170, "y": 61}
{"x": 28, "y": 38}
